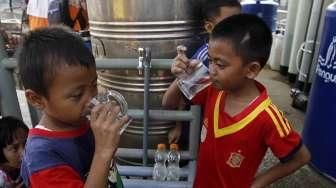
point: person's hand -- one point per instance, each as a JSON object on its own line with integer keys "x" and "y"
{"x": 174, "y": 134}
{"x": 180, "y": 65}
{"x": 106, "y": 124}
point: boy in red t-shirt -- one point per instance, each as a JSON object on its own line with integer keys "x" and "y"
{"x": 239, "y": 120}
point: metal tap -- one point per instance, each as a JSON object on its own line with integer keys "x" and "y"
{"x": 144, "y": 59}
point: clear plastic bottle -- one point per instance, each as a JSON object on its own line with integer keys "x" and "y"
{"x": 173, "y": 163}
{"x": 160, "y": 169}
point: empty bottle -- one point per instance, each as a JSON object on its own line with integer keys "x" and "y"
{"x": 173, "y": 163}
{"x": 160, "y": 169}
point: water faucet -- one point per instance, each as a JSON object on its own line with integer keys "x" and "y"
{"x": 144, "y": 59}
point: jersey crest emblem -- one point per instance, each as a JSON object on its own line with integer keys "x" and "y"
{"x": 235, "y": 160}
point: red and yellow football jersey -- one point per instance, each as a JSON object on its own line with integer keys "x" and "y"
{"x": 232, "y": 148}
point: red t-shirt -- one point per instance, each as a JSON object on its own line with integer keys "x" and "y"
{"x": 232, "y": 148}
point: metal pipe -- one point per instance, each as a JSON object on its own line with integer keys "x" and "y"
{"x": 290, "y": 27}
{"x": 8, "y": 97}
{"x": 11, "y": 5}
{"x": 143, "y": 171}
{"x": 138, "y": 153}
{"x": 116, "y": 63}
{"x": 144, "y": 62}
{"x": 9, "y": 104}
{"x": 108, "y": 63}
{"x": 309, "y": 49}
{"x": 9, "y": 63}
{"x": 194, "y": 131}
{"x": 3, "y": 53}
{"x": 170, "y": 115}
{"x": 192, "y": 171}
{"x": 140, "y": 183}
{"x": 301, "y": 26}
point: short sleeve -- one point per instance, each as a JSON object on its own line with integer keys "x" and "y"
{"x": 280, "y": 136}
{"x": 59, "y": 176}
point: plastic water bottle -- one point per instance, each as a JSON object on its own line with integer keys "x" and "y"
{"x": 173, "y": 163}
{"x": 160, "y": 169}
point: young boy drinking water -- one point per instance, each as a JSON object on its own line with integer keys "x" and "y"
{"x": 213, "y": 12}
{"x": 65, "y": 149}
{"x": 240, "y": 122}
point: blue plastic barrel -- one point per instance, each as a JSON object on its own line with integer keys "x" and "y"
{"x": 319, "y": 133}
{"x": 265, "y": 9}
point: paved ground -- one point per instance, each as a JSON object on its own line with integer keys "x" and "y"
{"x": 306, "y": 177}
{"x": 278, "y": 89}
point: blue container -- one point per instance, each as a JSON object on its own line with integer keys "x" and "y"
{"x": 265, "y": 9}
{"x": 319, "y": 133}
{"x": 85, "y": 34}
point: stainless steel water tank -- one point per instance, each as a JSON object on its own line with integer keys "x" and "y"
{"x": 119, "y": 27}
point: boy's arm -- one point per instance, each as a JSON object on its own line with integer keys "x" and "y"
{"x": 280, "y": 170}
{"x": 105, "y": 125}
{"x": 172, "y": 97}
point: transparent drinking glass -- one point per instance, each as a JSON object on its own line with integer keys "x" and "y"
{"x": 109, "y": 96}
{"x": 193, "y": 81}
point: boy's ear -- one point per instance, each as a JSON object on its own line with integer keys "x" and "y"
{"x": 208, "y": 26}
{"x": 34, "y": 99}
{"x": 253, "y": 70}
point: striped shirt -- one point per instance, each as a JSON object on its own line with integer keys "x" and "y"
{"x": 202, "y": 54}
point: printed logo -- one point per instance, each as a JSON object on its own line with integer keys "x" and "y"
{"x": 235, "y": 160}
{"x": 326, "y": 66}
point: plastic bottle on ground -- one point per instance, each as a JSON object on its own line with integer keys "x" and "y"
{"x": 173, "y": 163}
{"x": 160, "y": 169}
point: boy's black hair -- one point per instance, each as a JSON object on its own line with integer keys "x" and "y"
{"x": 44, "y": 51}
{"x": 8, "y": 127}
{"x": 211, "y": 8}
{"x": 249, "y": 36}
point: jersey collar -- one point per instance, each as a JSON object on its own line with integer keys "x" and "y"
{"x": 245, "y": 117}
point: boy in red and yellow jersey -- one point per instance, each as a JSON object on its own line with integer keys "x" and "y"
{"x": 240, "y": 122}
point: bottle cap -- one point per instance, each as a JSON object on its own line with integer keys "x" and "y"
{"x": 161, "y": 146}
{"x": 173, "y": 147}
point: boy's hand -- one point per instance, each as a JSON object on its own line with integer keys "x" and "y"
{"x": 106, "y": 124}
{"x": 180, "y": 65}
{"x": 174, "y": 134}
